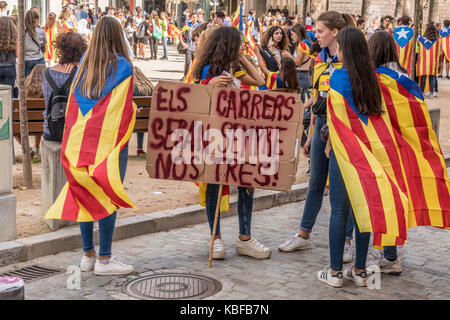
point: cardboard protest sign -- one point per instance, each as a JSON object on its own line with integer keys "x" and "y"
{"x": 224, "y": 135}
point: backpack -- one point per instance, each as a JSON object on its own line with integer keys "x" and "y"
{"x": 140, "y": 33}
{"x": 57, "y": 103}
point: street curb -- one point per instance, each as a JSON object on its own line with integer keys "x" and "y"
{"x": 21, "y": 250}
{"x": 67, "y": 239}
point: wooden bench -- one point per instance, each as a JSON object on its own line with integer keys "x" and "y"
{"x": 35, "y": 109}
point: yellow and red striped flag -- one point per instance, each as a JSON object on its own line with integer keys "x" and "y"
{"x": 237, "y": 18}
{"x": 394, "y": 171}
{"x": 428, "y": 59}
{"x": 445, "y": 37}
{"x": 248, "y": 39}
{"x": 51, "y": 38}
{"x": 95, "y": 133}
{"x": 304, "y": 46}
{"x": 173, "y": 31}
{"x": 224, "y": 201}
{"x": 404, "y": 40}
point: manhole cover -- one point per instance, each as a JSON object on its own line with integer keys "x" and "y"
{"x": 172, "y": 286}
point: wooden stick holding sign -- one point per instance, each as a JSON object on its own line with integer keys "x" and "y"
{"x": 216, "y": 219}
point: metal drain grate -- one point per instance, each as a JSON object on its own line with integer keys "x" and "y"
{"x": 32, "y": 273}
{"x": 172, "y": 286}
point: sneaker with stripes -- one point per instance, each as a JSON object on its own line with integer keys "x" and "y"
{"x": 336, "y": 280}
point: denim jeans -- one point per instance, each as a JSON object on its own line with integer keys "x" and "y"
{"x": 245, "y": 207}
{"x": 153, "y": 47}
{"x": 433, "y": 83}
{"x": 305, "y": 83}
{"x": 340, "y": 209}
{"x": 30, "y": 64}
{"x": 317, "y": 181}
{"x": 164, "y": 41}
{"x": 8, "y": 77}
{"x": 188, "y": 60}
{"x": 140, "y": 140}
{"x": 105, "y": 225}
{"x": 390, "y": 253}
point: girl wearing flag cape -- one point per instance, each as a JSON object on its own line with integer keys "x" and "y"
{"x": 430, "y": 50}
{"x": 382, "y": 48}
{"x": 223, "y": 52}
{"x": 328, "y": 26}
{"x": 99, "y": 122}
{"x": 365, "y": 95}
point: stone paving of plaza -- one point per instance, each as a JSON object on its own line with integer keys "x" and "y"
{"x": 425, "y": 262}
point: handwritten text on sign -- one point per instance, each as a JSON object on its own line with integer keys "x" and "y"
{"x": 223, "y": 135}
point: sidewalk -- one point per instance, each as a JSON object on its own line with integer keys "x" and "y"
{"x": 285, "y": 276}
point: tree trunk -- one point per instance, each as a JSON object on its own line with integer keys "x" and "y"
{"x": 305, "y": 5}
{"x": 432, "y": 8}
{"x": 27, "y": 172}
{"x": 418, "y": 18}
{"x": 364, "y": 6}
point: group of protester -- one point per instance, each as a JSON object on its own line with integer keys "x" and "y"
{"x": 352, "y": 80}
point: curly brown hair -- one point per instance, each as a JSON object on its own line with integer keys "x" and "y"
{"x": 8, "y": 34}
{"x": 431, "y": 32}
{"x": 282, "y": 45}
{"x": 221, "y": 52}
{"x": 70, "y": 47}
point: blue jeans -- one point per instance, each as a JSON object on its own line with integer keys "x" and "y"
{"x": 245, "y": 208}
{"x": 433, "y": 83}
{"x": 30, "y": 64}
{"x": 140, "y": 140}
{"x": 305, "y": 83}
{"x": 340, "y": 209}
{"x": 317, "y": 181}
{"x": 105, "y": 225}
{"x": 8, "y": 77}
{"x": 164, "y": 41}
{"x": 390, "y": 253}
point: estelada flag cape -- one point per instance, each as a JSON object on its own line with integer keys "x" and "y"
{"x": 304, "y": 46}
{"x": 321, "y": 63}
{"x": 273, "y": 81}
{"x": 428, "y": 59}
{"x": 248, "y": 39}
{"x": 404, "y": 41}
{"x": 95, "y": 133}
{"x": 51, "y": 38}
{"x": 445, "y": 37}
{"x": 392, "y": 165}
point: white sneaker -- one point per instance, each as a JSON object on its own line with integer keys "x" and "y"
{"x": 348, "y": 253}
{"x": 336, "y": 281}
{"x": 435, "y": 94}
{"x": 252, "y": 248}
{"x": 427, "y": 94}
{"x": 386, "y": 266}
{"x": 7, "y": 283}
{"x": 218, "y": 250}
{"x": 113, "y": 268}
{"x": 87, "y": 263}
{"x": 360, "y": 279}
{"x": 295, "y": 243}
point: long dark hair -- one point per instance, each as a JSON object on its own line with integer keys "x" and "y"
{"x": 300, "y": 31}
{"x": 30, "y": 20}
{"x": 364, "y": 82}
{"x": 382, "y": 50}
{"x": 221, "y": 52}
{"x": 282, "y": 45}
{"x": 288, "y": 73}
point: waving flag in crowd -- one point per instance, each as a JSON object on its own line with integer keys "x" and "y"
{"x": 394, "y": 171}
{"x": 428, "y": 59}
{"x": 172, "y": 31}
{"x": 237, "y": 19}
{"x": 404, "y": 39}
{"x": 51, "y": 38}
{"x": 249, "y": 40}
{"x": 95, "y": 133}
